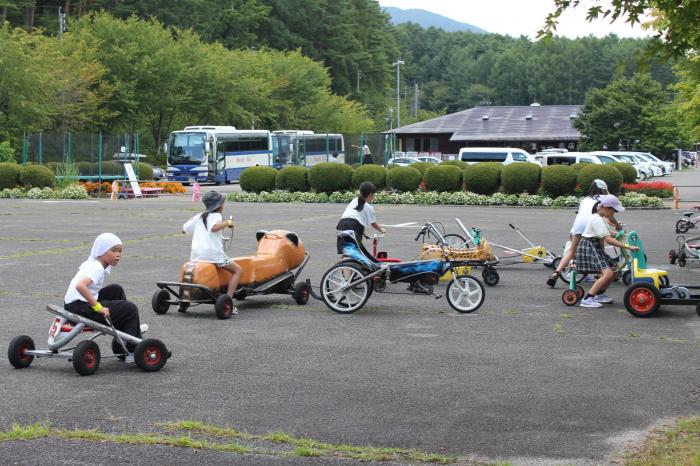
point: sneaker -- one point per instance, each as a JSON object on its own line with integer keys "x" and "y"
{"x": 589, "y": 278}
{"x": 603, "y": 298}
{"x": 552, "y": 280}
{"x": 129, "y": 358}
{"x": 234, "y": 311}
{"x": 144, "y": 328}
{"x": 590, "y": 302}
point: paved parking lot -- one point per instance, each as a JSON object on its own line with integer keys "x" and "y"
{"x": 524, "y": 379}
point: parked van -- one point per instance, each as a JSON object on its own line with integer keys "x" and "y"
{"x": 569, "y": 158}
{"x": 505, "y": 155}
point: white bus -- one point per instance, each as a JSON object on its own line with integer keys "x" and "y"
{"x": 218, "y": 154}
{"x": 307, "y": 148}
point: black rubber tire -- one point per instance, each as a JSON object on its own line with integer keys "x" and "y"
{"x": 159, "y": 301}
{"x": 86, "y": 357}
{"x": 627, "y": 277}
{"x": 681, "y": 259}
{"x": 224, "y": 306}
{"x": 118, "y": 350}
{"x": 555, "y": 263}
{"x": 490, "y": 276}
{"x": 563, "y": 276}
{"x": 16, "y": 352}
{"x": 453, "y": 240}
{"x": 301, "y": 293}
{"x": 183, "y": 307}
{"x": 358, "y": 269}
{"x": 580, "y": 292}
{"x": 672, "y": 256}
{"x": 569, "y": 297}
{"x": 151, "y": 355}
{"x": 470, "y": 281}
{"x": 642, "y": 299}
{"x": 682, "y": 226}
{"x": 697, "y": 309}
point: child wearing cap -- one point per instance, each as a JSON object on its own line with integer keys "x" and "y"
{"x": 86, "y": 296}
{"x": 207, "y": 245}
{"x": 590, "y": 255}
{"x": 585, "y": 210}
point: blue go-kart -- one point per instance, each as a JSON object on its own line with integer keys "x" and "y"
{"x": 347, "y": 285}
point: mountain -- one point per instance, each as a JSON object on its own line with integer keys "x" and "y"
{"x": 426, "y": 19}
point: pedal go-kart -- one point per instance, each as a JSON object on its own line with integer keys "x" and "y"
{"x": 150, "y": 354}
{"x": 689, "y": 221}
{"x": 347, "y": 285}
{"x": 688, "y": 250}
{"x": 269, "y": 271}
{"x": 651, "y": 288}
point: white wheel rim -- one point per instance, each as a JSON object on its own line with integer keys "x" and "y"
{"x": 456, "y": 243}
{"x": 465, "y": 294}
{"x": 348, "y": 300}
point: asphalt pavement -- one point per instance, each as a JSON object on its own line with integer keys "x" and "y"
{"x": 524, "y": 379}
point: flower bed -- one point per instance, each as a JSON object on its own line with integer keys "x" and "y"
{"x": 169, "y": 187}
{"x": 433, "y": 198}
{"x": 69, "y": 192}
{"x": 654, "y": 188}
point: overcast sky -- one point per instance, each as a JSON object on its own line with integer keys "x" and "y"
{"x": 519, "y": 17}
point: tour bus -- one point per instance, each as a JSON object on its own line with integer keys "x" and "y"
{"x": 218, "y": 154}
{"x": 307, "y": 148}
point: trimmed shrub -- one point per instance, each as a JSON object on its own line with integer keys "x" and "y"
{"x": 456, "y": 163}
{"x": 558, "y": 180}
{"x": 422, "y": 166}
{"x": 607, "y": 173}
{"x": 578, "y": 166}
{"x": 109, "y": 168}
{"x": 144, "y": 170}
{"x": 629, "y": 173}
{"x": 327, "y": 177}
{"x": 52, "y": 166}
{"x": 374, "y": 173}
{"x": 36, "y": 176}
{"x": 404, "y": 179}
{"x": 9, "y": 175}
{"x": 293, "y": 179}
{"x": 521, "y": 177}
{"x": 257, "y": 179}
{"x": 443, "y": 178}
{"x": 85, "y": 168}
{"x": 483, "y": 177}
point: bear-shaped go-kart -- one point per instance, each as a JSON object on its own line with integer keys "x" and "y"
{"x": 279, "y": 259}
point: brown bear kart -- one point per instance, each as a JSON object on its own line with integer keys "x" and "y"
{"x": 274, "y": 269}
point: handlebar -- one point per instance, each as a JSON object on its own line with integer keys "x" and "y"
{"x": 421, "y": 232}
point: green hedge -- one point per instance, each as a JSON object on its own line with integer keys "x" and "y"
{"x": 374, "y": 173}
{"x": 456, "y": 163}
{"x": 483, "y": 177}
{"x": 36, "y": 176}
{"x": 558, "y": 180}
{"x": 578, "y": 166}
{"x": 521, "y": 177}
{"x": 443, "y": 178}
{"x": 629, "y": 173}
{"x": 9, "y": 175}
{"x": 607, "y": 173}
{"x": 327, "y": 177}
{"x": 145, "y": 170}
{"x": 422, "y": 166}
{"x": 404, "y": 179}
{"x": 257, "y": 179}
{"x": 293, "y": 179}
{"x": 109, "y": 168}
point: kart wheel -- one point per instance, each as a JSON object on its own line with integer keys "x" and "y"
{"x": 642, "y": 299}
{"x": 183, "y": 307}
{"x": 301, "y": 293}
{"x": 682, "y": 226}
{"x": 159, "y": 302}
{"x": 672, "y": 256}
{"x": 627, "y": 277}
{"x": 565, "y": 275}
{"x": 697, "y": 309}
{"x": 580, "y": 292}
{"x": 453, "y": 240}
{"x": 336, "y": 278}
{"x": 555, "y": 263}
{"x": 86, "y": 357}
{"x": 465, "y": 294}
{"x": 681, "y": 259}
{"x": 490, "y": 276}
{"x": 223, "y": 306}
{"x": 17, "y": 351}
{"x": 151, "y": 355}
{"x": 569, "y": 297}
{"x": 118, "y": 350}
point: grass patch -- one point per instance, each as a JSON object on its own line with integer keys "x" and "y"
{"x": 559, "y": 329}
{"x": 677, "y": 445}
{"x": 30, "y": 432}
{"x": 303, "y": 451}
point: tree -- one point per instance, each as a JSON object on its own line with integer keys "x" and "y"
{"x": 629, "y": 113}
{"x": 687, "y": 101}
{"x": 675, "y": 21}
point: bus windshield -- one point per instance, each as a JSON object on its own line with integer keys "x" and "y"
{"x": 186, "y": 148}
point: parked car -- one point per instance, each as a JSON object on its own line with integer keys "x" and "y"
{"x": 505, "y": 155}
{"x": 644, "y": 171}
{"x": 159, "y": 173}
{"x": 429, "y": 159}
{"x": 402, "y": 161}
{"x": 649, "y": 168}
{"x": 569, "y": 158}
{"x": 663, "y": 167}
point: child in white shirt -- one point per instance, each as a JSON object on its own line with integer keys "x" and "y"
{"x": 358, "y": 215}
{"x": 207, "y": 246}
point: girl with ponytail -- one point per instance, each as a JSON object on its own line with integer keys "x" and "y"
{"x": 359, "y": 214}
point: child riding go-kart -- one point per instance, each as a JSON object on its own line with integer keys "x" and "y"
{"x": 270, "y": 270}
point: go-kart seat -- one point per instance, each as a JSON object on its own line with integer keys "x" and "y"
{"x": 640, "y": 272}
{"x": 348, "y": 236}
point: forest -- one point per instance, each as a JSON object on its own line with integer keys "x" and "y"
{"x": 153, "y": 66}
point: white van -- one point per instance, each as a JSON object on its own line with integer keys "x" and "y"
{"x": 505, "y": 155}
{"x": 569, "y": 158}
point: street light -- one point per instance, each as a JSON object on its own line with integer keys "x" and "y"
{"x": 398, "y": 64}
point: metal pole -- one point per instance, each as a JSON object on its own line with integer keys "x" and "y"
{"x": 40, "y": 147}
{"x": 99, "y": 165}
{"x": 398, "y": 64}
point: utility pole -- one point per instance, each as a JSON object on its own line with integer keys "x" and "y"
{"x": 359, "y": 76}
{"x": 415, "y": 99}
{"x": 398, "y": 64}
{"x": 61, "y": 22}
